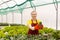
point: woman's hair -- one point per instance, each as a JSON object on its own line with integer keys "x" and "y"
{"x": 33, "y": 11}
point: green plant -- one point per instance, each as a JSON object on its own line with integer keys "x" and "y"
{"x": 19, "y": 32}
{"x": 2, "y": 35}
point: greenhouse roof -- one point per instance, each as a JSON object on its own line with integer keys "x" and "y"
{"x": 13, "y": 5}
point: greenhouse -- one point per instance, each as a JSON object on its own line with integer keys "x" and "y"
{"x": 14, "y": 15}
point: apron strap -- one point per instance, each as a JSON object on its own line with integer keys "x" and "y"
{"x": 32, "y": 21}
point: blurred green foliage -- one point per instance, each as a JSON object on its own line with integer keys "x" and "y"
{"x": 21, "y": 32}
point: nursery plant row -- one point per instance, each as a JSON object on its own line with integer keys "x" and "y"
{"x": 20, "y": 33}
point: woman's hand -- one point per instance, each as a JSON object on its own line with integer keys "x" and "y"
{"x": 32, "y": 28}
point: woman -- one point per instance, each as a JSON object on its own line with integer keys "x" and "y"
{"x": 34, "y": 24}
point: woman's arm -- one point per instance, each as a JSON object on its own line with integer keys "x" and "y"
{"x": 32, "y": 28}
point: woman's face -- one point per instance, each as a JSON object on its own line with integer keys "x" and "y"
{"x": 33, "y": 14}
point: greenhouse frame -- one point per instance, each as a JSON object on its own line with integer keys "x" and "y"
{"x": 18, "y": 12}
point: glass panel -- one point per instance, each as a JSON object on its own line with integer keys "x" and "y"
{"x": 11, "y": 4}
{"x": 5, "y": 0}
{"x": 19, "y": 1}
{"x": 59, "y": 16}
{"x": 4, "y": 6}
{"x": 1, "y": 2}
{"x": 39, "y": 2}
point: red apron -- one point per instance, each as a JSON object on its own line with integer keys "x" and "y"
{"x": 33, "y": 32}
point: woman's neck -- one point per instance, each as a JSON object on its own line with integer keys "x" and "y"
{"x": 34, "y": 19}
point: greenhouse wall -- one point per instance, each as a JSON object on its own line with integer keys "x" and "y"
{"x": 46, "y": 13}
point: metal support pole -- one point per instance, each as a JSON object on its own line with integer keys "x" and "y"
{"x": 57, "y": 17}
{"x": 21, "y": 18}
{"x": 56, "y": 7}
{"x": 6, "y": 18}
{"x": 1, "y": 19}
{"x": 12, "y": 17}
